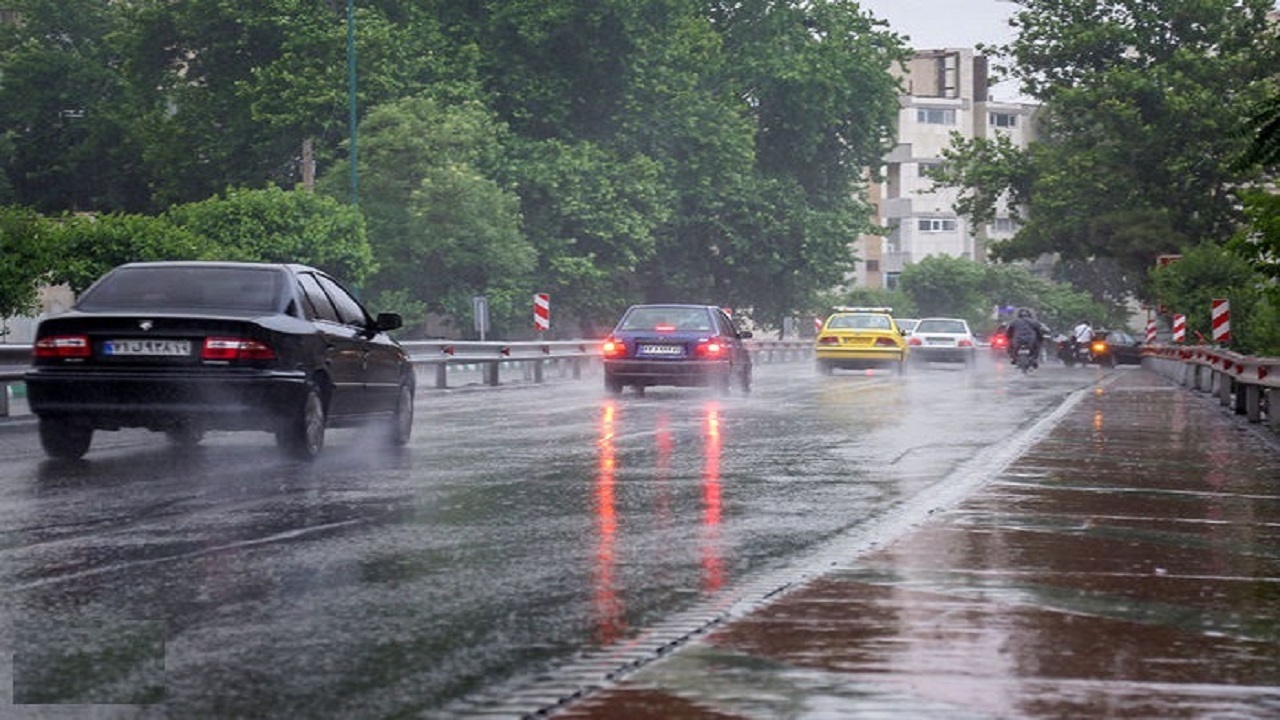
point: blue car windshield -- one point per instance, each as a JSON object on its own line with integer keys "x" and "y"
{"x": 669, "y": 319}
{"x": 230, "y": 289}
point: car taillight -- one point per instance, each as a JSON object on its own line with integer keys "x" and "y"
{"x": 613, "y": 348}
{"x": 999, "y": 341}
{"x": 914, "y": 341}
{"x": 664, "y": 328}
{"x": 828, "y": 340}
{"x": 965, "y": 342}
{"x": 229, "y": 348}
{"x": 710, "y": 349}
{"x": 886, "y": 342}
{"x": 62, "y": 346}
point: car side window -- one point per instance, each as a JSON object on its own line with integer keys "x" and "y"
{"x": 349, "y": 309}
{"x": 726, "y": 325}
{"x": 318, "y": 305}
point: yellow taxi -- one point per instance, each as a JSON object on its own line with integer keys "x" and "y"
{"x": 860, "y": 338}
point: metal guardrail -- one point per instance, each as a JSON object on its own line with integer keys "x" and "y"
{"x": 438, "y": 359}
{"x": 1244, "y": 383}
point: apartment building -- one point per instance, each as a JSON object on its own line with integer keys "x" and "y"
{"x": 947, "y": 92}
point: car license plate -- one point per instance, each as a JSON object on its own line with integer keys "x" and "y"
{"x": 164, "y": 348}
{"x": 661, "y": 350}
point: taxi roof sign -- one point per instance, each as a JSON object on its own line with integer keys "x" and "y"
{"x": 848, "y": 308}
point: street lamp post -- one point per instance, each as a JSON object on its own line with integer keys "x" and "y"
{"x": 351, "y": 99}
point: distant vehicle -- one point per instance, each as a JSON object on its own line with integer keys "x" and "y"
{"x": 1115, "y": 347}
{"x": 677, "y": 345}
{"x": 942, "y": 340}
{"x": 186, "y": 347}
{"x": 860, "y": 338}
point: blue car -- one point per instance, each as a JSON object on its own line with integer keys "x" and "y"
{"x": 677, "y": 345}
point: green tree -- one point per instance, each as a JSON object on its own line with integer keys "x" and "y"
{"x": 1143, "y": 107}
{"x": 442, "y": 227}
{"x": 275, "y": 225}
{"x": 1207, "y": 272}
{"x": 90, "y": 245}
{"x": 65, "y": 109}
{"x": 29, "y": 256}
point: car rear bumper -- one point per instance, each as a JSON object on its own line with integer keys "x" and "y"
{"x": 666, "y": 372}
{"x": 941, "y": 354}
{"x": 859, "y": 357}
{"x": 159, "y": 400}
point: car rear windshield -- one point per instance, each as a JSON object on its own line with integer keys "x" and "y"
{"x": 955, "y": 327}
{"x": 667, "y": 318}
{"x": 858, "y": 322}
{"x": 250, "y": 290}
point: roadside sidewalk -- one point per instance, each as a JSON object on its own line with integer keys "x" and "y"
{"x": 1127, "y": 565}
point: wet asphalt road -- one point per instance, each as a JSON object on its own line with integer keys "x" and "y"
{"x": 523, "y": 527}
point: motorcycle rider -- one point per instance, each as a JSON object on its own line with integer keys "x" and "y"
{"x": 1081, "y": 336}
{"x": 1025, "y": 330}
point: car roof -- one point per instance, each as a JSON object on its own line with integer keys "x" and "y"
{"x": 215, "y": 263}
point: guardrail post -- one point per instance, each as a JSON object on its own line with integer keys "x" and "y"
{"x": 1224, "y": 388}
{"x": 490, "y": 370}
{"x": 537, "y": 371}
{"x": 442, "y": 375}
{"x": 1253, "y": 403}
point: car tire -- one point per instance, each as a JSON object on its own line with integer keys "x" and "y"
{"x": 723, "y": 381}
{"x": 185, "y": 435}
{"x": 824, "y": 367}
{"x": 612, "y": 385}
{"x": 744, "y": 380}
{"x": 302, "y": 436}
{"x": 402, "y": 421}
{"x": 64, "y": 439}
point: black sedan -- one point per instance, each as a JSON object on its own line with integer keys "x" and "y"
{"x": 1115, "y": 347}
{"x": 185, "y": 347}
{"x": 680, "y": 345}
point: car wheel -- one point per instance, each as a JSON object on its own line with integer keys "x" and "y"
{"x": 612, "y": 385}
{"x": 302, "y": 436}
{"x": 402, "y": 421}
{"x": 64, "y": 439}
{"x": 723, "y": 382}
{"x": 824, "y": 367}
{"x": 185, "y": 435}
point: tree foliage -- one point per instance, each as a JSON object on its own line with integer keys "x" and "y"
{"x": 1208, "y": 272}
{"x": 606, "y": 152}
{"x": 28, "y": 258}
{"x": 1144, "y": 106}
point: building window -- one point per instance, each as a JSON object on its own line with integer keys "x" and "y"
{"x": 1005, "y": 225}
{"x": 1003, "y": 120}
{"x": 935, "y": 116}
{"x": 873, "y": 266}
{"x": 891, "y": 280}
{"x": 936, "y": 225}
{"x": 928, "y": 169}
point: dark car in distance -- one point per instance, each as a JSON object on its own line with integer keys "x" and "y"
{"x": 186, "y": 347}
{"x": 678, "y": 345}
{"x": 1115, "y": 347}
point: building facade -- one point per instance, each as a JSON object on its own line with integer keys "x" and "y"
{"x": 947, "y": 92}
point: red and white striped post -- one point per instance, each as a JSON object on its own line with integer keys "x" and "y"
{"x": 1179, "y": 328}
{"x": 1151, "y": 330}
{"x": 1221, "y": 316}
{"x": 541, "y": 312}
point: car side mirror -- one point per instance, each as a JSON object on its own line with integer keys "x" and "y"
{"x": 388, "y": 321}
{"x": 745, "y": 334}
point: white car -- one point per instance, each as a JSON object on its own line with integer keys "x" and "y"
{"x": 939, "y": 339}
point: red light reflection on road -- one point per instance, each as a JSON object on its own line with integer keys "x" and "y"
{"x": 712, "y": 559}
{"x": 606, "y": 605}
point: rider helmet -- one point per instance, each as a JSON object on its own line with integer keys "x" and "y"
{"x": 1024, "y": 313}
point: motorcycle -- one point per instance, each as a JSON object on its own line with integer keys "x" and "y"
{"x": 1071, "y": 352}
{"x": 1024, "y": 358}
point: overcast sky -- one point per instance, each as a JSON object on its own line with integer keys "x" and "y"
{"x": 932, "y": 24}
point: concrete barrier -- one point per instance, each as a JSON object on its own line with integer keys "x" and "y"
{"x": 1245, "y": 384}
